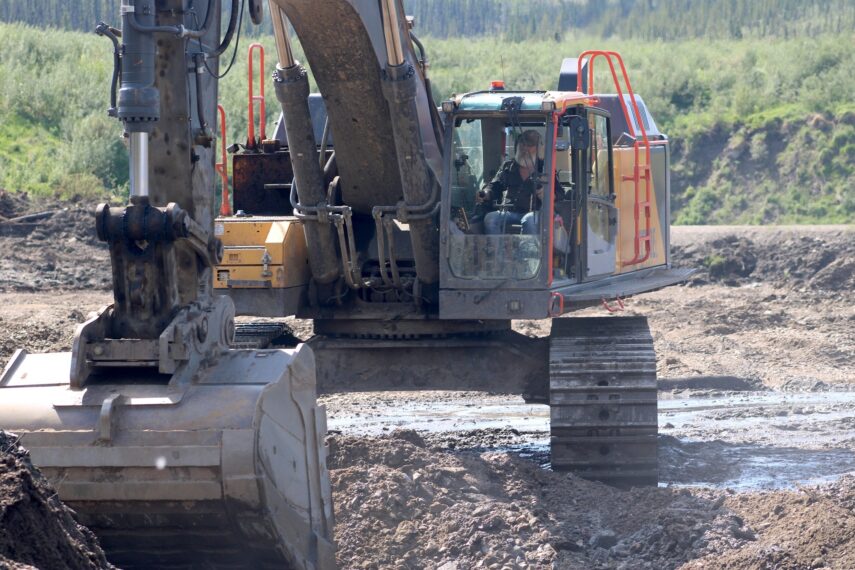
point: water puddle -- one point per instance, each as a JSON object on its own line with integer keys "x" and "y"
{"x": 742, "y": 440}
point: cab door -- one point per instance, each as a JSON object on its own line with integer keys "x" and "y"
{"x": 592, "y": 151}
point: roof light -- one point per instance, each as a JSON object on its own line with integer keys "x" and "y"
{"x": 547, "y": 106}
{"x": 448, "y": 106}
{"x": 497, "y": 85}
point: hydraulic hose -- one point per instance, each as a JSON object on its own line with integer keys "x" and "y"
{"x": 434, "y": 112}
{"x": 184, "y": 32}
{"x": 102, "y": 29}
{"x": 322, "y": 153}
{"x": 237, "y": 8}
{"x": 198, "y": 59}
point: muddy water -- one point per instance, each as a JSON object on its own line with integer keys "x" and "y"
{"x": 738, "y": 440}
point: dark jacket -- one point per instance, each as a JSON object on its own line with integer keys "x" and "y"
{"x": 509, "y": 187}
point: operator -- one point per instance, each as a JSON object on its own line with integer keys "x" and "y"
{"x": 517, "y": 183}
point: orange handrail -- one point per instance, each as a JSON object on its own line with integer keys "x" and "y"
{"x": 638, "y": 176}
{"x": 222, "y": 166}
{"x": 251, "y": 140}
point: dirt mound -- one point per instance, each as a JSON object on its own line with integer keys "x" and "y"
{"x": 58, "y": 250}
{"x": 12, "y": 205}
{"x": 36, "y": 529}
{"x": 823, "y": 260}
{"x": 402, "y": 505}
{"x": 808, "y": 528}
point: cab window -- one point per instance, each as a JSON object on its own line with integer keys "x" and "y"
{"x": 600, "y": 166}
{"x": 497, "y": 193}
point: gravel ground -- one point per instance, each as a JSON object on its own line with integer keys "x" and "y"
{"x": 403, "y": 504}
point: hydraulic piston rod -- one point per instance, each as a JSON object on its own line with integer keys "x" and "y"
{"x": 280, "y": 33}
{"x": 139, "y": 164}
{"x": 394, "y": 50}
{"x": 138, "y": 98}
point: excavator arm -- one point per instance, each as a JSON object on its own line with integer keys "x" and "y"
{"x": 177, "y": 450}
{"x": 376, "y": 94}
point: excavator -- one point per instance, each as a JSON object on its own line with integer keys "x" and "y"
{"x": 374, "y": 212}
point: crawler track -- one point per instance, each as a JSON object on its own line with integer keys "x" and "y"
{"x": 257, "y": 335}
{"x": 602, "y": 384}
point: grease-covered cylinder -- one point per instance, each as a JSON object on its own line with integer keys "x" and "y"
{"x": 292, "y": 91}
{"x": 419, "y": 186}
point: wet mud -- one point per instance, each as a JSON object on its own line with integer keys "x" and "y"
{"x": 738, "y": 440}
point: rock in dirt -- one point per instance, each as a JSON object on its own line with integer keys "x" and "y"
{"x": 36, "y": 529}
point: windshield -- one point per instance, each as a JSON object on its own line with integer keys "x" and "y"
{"x": 497, "y": 193}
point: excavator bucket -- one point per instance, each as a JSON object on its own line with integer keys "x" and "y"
{"x": 228, "y": 470}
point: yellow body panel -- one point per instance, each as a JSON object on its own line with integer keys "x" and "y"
{"x": 624, "y": 162}
{"x": 250, "y": 242}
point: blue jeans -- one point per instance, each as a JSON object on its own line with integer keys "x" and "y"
{"x": 496, "y": 223}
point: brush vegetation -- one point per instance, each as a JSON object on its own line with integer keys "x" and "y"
{"x": 762, "y": 128}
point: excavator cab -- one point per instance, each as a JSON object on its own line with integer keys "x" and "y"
{"x": 593, "y": 225}
{"x": 485, "y": 148}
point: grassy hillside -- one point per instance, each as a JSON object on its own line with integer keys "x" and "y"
{"x": 763, "y": 130}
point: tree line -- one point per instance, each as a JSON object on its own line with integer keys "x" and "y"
{"x": 523, "y": 20}
{"x": 520, "y": 20}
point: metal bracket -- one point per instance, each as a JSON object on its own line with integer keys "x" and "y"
{"x": 106, "y": 418}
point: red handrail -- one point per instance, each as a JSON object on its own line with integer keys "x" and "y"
{"x": 222, "y": 166}
{"x": 251, "y": 140}
{"x": 640, "y": 172}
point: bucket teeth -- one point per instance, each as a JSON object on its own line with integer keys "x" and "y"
{"x": 603, "y": 401}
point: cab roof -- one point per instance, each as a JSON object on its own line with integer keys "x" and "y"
{"x": 532, "y": 100}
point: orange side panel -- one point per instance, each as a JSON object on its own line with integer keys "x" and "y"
{"x": 624, "y": 162}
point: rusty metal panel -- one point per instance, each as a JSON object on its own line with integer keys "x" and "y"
{"x": 251, "y": 172}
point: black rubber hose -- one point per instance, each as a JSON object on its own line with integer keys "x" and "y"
{"x": 102, "y": 29}
{"x": 234, "y": 52}
{"x": 434, "y": 112}
{"x": 230, "y": 31}
{"x": 422, "y": 51}
{"x": 208, "y": 14}
{"x": 200, "y": 102}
